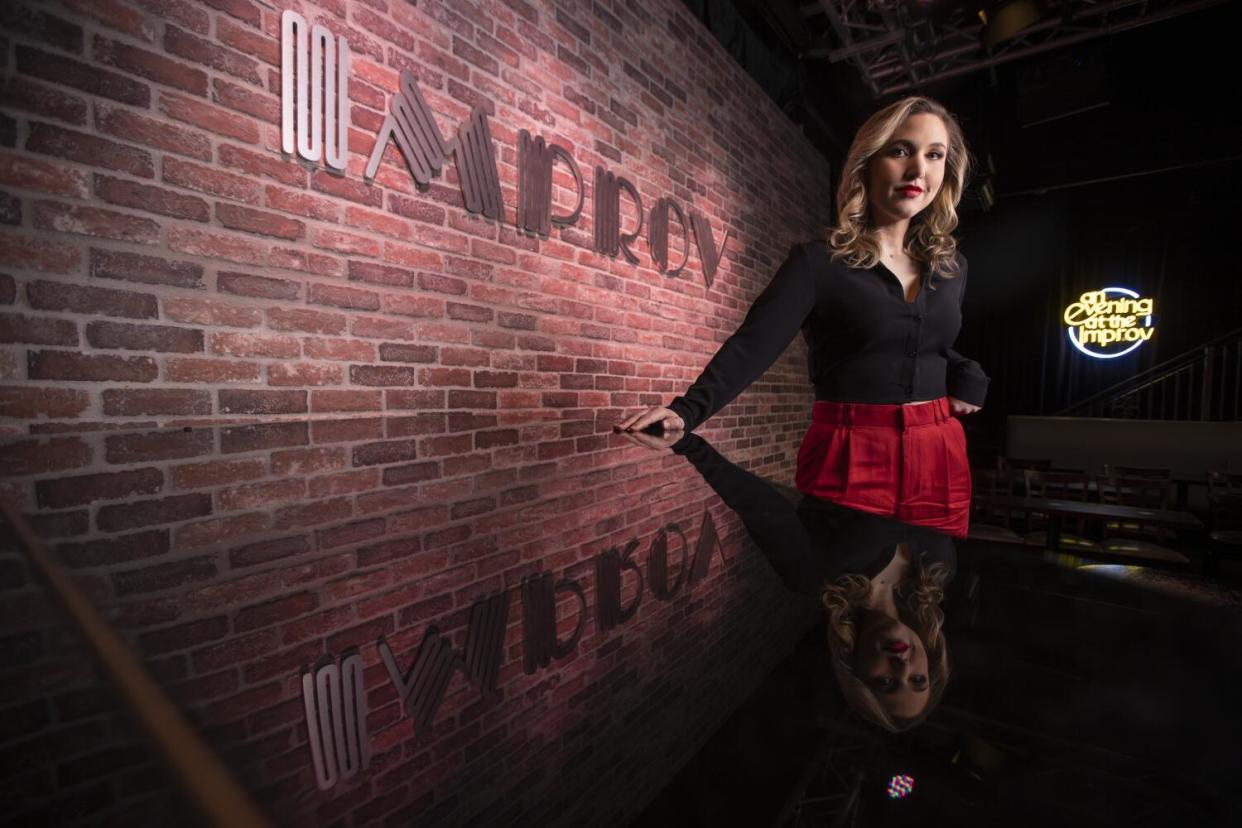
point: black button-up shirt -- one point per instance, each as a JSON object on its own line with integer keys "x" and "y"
{"x": 866, "y": 343}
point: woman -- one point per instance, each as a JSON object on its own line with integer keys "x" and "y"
{"x": 879, "y": 304}
{"x": 880, "y": 582}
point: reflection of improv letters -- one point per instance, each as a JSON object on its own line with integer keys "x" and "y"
{"x": 608, "y": 565}
{"x": 539, "y": 620}
{"x": 534, "y": 209}
{"x": 335, "y": 700}
{"x": 708, "y": 255}
{"x": 425, "y": 150}
{"x": 314, "y": 91}
{"x": 657, "y": 235}
{"x": 423, "y": 689}
{"x": 657, "y": 563}
{"x": 608, "y": 237}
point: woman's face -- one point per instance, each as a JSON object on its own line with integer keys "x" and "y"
{"x": 913, "y": 157}
{"x": 892, "y": 661}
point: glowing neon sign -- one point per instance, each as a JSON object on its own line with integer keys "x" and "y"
{"x": 900, "y": 786}
{"x": 1105, "y": 327}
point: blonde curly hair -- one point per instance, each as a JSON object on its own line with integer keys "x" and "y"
{"x": 929, "y": 238}
{"x": 918, "y": 598}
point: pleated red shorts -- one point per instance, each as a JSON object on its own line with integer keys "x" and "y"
{"x": 905, "y": 461}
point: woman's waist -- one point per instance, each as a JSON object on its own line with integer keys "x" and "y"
{"x": 865, "y": 413}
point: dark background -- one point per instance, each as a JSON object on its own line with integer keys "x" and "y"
{"x": 1138, "y": 190}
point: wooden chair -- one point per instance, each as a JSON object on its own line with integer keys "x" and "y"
{"x": 1135, "y": 538}
{"x": 989, "y": 523}
{"x": 1014, "y": 466}
{"x": 1224, "y": 514}
{"x": 1059, "y": 484}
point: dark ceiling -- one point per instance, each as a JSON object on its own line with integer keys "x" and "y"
{"x": 1087, "y": 93}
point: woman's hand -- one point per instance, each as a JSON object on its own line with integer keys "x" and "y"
{"x": 960, "y": 407}
{"x": 668, "y": 419}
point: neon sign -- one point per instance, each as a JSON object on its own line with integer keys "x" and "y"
{"x": 1110, "y": 322}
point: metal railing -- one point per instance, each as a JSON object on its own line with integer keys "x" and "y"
{"x": 1204, "y": 383}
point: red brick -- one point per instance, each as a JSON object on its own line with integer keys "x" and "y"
{"x": 93, "y": 221}
{"x": 75, "y": 367}
{"x": 82, "y": 76}
{"x": 262, "y": 287}
{"x": 347, "y": 188}
{"x": 257, "y": 221}
{"x": 211, "y": 312}
{"x": 216, "y": 473}
{"x": 303, "y": 204}
{"x": 140, "y": 401}
{"x": 210, "y": 370}
{"x": 391, "y": 451}
{"x": 342, "y": 297}
{"x": 255, "y": 345}
{"x": 33, "y": 330}
{"x": 265, "y": 551}
{"x": 150, "y": 65}
{"x": 29, "y": 403}
{"x": 263, "y": 436}
{"x": 219, "y": 530}
{"x": 25, "y": 173}
{"x": 267, "y": 166}
{"x": 47, "y": 139}
{"x": 262, "y": 105}
{"x": 174, "y": 509}
{"x": 382, "y": 375}
{"x": 197, "y": 242}
{"x": 349, "y": 243}
{"x": 185, "y": 45}
{"x": 209, "y": 117}
{"x": 27, "y": 96}
{"x": 112, "y": 551}
{"x": 183, "y": 636}
{"x": 396, "y": 352}
{"x": 139, "y": 129}
{"x": 302, "y": 462}
{"x": 151, "y": 199}
{"x": 237, "y": 401}
{"x": 323, "y": 401}
{"x": 162, "y": 338}
{"x": 300, "y": 319}
{"x": 260, "y": 495}
{"x": 349, "y": 482}
{"x": 248, "y": 41}
{"x": 184, "y": 12}
{"x": 342, "y": 350}
{"x": 136, "y": 267}
{"x": 114, "y": 15}
{"x": 157, "y": 445}
{"x": 312, "y": 514}
{"x": 415, "y": 305}
{"x": 164, "y": 576}
{"x": 371, "y": 326}
{"x": 28, "y": 457}
{"x": 347, "y": 430}
{"x": 209, "y": 180}
{"x": 37, "y": 253}
{"x": 381, "y": 274}
{"x": 79, "y": 491}
{"x": 303, "y": 373}
{"x": 274, "y": 612}
{"x": 60, "y": 296}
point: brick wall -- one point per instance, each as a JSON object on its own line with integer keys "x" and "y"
{"x": 265, "y": 413}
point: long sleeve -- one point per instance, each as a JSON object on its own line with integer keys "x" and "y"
{"x": 770, "y": 325}
{"x": 965, "y": 378}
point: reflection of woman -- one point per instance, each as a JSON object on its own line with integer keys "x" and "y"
{"x": 880, "y": 581}
{"x": 879, "y": 305}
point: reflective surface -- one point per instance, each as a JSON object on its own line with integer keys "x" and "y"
{"x": 1075, "y": 694}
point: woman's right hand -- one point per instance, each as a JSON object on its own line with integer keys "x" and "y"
{"x": 667, "y": 417}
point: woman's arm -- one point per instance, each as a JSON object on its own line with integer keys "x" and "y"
{"x": 770, "y": 325}
{"x": 965, "y": 379}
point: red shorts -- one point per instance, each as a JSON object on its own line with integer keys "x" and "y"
{"x": 904, "y": 461}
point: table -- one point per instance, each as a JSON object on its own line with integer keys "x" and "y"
{"x": 1056, "y": 509}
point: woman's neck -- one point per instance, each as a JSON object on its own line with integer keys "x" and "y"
{"x": 892, "y": 239}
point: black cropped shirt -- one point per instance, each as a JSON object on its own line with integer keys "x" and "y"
{"x": 866, "y": 343}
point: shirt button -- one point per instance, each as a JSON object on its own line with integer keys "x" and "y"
{"x": 918, "y": 317}
{"x": 913, "y": 353}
